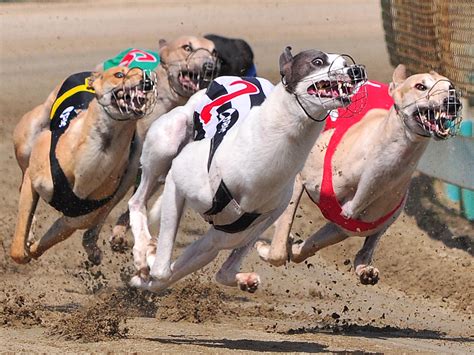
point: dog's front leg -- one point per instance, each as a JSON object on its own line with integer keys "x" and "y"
{"x": 26, "y": 209}
{"x": 363, "y": 196}
{"x": 328, "y": 235}
{"x": 139, "y": 222}
{"x": 278, "y": 253}
{"x": 368, "y": 274}
{"x": 174, "y": 200}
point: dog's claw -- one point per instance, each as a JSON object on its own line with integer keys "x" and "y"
{"x": 368, "y": 275}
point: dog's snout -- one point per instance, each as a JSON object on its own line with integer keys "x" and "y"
{"x": 209, "y": 66}
{"x": 148, "y": 84}
{"x": 452, "y": 104}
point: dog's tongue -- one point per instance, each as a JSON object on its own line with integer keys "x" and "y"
{"x": 188, "y": 83}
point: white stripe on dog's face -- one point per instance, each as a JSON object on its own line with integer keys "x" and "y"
{"x": 328, "y": 82}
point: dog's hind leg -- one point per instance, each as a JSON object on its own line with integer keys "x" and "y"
{"x": 59, "y": 231}
{"x": 278, "y": 253}
{"x": 195, "y": 256}
{"x": 229, "y": 274}
{"x": 368, "y": 274}
{"x": 89, "y": 242}
{"x": 118, "y": 239}
{"x": 26, "y": 209}
{"x": 328, "y": 235}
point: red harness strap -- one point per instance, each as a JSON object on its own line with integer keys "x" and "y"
{"x": 328, "y": 204}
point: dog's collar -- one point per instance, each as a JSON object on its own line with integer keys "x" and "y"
{"x": 403, "y": 117}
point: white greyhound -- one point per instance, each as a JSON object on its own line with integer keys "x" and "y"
{"x": 244, "y": 185}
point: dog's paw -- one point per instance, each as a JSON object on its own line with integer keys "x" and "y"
{"x": 264, "y": 250}
{"x": 296, "y": 255}
{"x": 137, "y": 282}
{"x": 368, "y": 275}
{"x": 347, "y": 211}
{"x": 248, "y": 281}
{"x": 94, "y": 255}
{"x": 118, "y": 240}
{"x": 20, "y": 258}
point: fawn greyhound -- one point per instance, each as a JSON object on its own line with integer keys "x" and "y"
{"x": 187, "y": 64}
{"x": 81, "y": 165}
{"x": 359, "y": 170}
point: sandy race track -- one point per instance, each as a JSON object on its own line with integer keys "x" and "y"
{"x": 423, "y": 302}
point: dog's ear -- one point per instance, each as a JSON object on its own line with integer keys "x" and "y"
{"x": 399, "y": 76}
{"x": 162, "y": 42}
{"x": 286, "y": 58}
{"x": 163, "y": 48}
{"x": 92, "y": 79}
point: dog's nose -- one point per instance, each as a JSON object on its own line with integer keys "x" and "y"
{"x": 148, "y": 84}
{"x": 357, "y": 73}
{"x": 452, "y": 104}
{"x": 209, "y": 66}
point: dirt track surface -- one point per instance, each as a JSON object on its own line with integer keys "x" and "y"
{"x": 423, "y": 303}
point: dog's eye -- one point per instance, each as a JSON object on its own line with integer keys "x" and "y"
{"x": 318, "y": 62}
{"x": 187, "y": 48}
{"x": 119, "y": 75}
{"x": 420, "y": 87}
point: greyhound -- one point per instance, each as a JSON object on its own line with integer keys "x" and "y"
{"x": 240, "y": 178}
{"x": 80, "y": 166}
{"x": 187, "y": 64}
{"x": 359, "y": 170}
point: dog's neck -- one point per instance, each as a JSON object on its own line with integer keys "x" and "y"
{"x": 105, "y": 144}
{"x": 405, "y": 147}
{"x": 277, "y": 139}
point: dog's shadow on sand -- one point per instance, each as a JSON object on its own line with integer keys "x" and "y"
{"x": 365, "y": 331}
{"x": 254, "y": 345}
{"x": 435, "y": 218}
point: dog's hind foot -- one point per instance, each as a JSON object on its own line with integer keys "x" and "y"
{"x": 94, "y": 255}
{"x": 248, "y": 281}
{"x": 118, "y": 240}
{"x": 368, "y": 275}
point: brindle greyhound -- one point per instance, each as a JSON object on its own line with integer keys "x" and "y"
{"x": 359, "y": 174}
{"x": 248, "y": 181}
